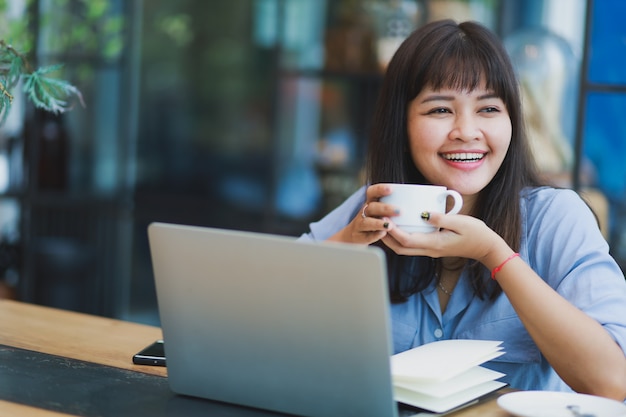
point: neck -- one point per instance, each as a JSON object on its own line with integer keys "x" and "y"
{"x": 446, "y": 283}
{"x": 452, "y": 264}
{"x": 468, "y": 204}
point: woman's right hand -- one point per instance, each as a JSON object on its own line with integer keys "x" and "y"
{"x": 372, "y": 222}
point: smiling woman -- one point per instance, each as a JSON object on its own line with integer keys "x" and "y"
{"x": 517, "y": 263}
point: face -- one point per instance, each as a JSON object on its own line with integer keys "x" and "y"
{"x": 459, "y": 138}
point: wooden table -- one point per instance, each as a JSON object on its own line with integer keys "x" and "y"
{"x": 104, "y": 341}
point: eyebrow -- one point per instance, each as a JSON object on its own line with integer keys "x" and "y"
{"x": 441, "y": 97}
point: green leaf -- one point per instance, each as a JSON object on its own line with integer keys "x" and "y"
{"x": 48, "y": 93}
{"x": 5, "y": 107}
{"x": 15, "y": 72}
{"x": 96, "y": 9}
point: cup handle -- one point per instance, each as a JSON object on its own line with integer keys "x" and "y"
{"x": 458, "y": 201}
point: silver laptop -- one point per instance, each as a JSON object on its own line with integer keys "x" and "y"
{"x": 268, "y": 322}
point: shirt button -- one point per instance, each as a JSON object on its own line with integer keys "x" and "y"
{"x": 438, "y": 333}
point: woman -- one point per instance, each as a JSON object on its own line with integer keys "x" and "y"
{"x": 523, "y": 263}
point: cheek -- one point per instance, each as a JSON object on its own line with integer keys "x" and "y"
{"x": 423, "y": 137}
{"x": 498, "y": 133}
{"x": 425, "y": 141}
{"x": 424, "y": 154}
{"x": 504, "y": 141}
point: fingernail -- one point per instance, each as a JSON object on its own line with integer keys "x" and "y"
{"x": 425, "y": 215}
{"x": 396, "y": 211}
{"x": 386, "y": 225}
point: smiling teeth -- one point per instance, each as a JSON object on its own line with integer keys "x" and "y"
{"x": 464, "y": 157}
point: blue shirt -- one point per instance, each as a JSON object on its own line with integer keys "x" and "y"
{"x": 561, "y": 241}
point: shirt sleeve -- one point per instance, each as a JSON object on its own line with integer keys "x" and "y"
{"x": 336, "y": 219}
{"x": 566, "y": 248}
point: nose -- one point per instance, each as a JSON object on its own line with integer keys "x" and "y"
{"x": 465, "y": 128}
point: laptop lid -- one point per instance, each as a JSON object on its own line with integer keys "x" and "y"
{"x": 269, "y": 322}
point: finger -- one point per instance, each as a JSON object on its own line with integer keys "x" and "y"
{"x": 409, "y": 240}
{"x": 375, "y": 208}
{"x": 370, "y": 230}
{"x": 398, "y": 242}
{"x": 363, "y": 212}
{"x": 376, "y": 191}
{"x": 374, "y": 224}
{"x": 381, "y": 211}
{"x": 443, "y": 221}
{"x": 434, "y": 244}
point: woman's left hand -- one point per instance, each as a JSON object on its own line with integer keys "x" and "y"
{"x": 458, "y": 236}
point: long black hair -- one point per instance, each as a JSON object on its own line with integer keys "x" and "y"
{"x": 446, "y": 54}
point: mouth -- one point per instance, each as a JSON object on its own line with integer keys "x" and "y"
{"x": 463, "y": 156}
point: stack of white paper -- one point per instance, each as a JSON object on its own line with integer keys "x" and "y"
{"x": 445, "y": 375}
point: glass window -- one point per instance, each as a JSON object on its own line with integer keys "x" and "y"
{"x": 603, "y": 171}
{"x": 604, "y": 134}
{"x": 608, "y": 39}
{"x": 605, "y": 144}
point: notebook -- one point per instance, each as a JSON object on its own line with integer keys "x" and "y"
{"x": 446, "y": 375}
{"x": 273, "y": 323}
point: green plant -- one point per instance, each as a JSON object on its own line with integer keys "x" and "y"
{"x": 41, "y": 88}
{"x": 66, "y": 29}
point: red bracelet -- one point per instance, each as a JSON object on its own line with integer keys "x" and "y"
{"x": 499, "y": 267}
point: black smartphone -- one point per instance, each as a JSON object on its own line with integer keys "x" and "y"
{"x": 153, "y": 354}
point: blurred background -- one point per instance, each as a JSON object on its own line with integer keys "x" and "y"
{"x": 253, "y": 115}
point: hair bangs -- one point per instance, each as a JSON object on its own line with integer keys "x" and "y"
{"x": 462, "y": 64}
{"x": 454, "y": 73}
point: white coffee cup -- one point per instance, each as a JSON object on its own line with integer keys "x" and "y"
{"x": 414, "y": 199}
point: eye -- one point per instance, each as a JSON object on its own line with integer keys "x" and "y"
{"x": 438, "y": 110}
{"x": 490, "y": 109}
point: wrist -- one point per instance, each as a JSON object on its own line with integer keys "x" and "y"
{"x": 496, "y": 256}
{"x": 340, "y": 236}
{"x": 498, "y": 268}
